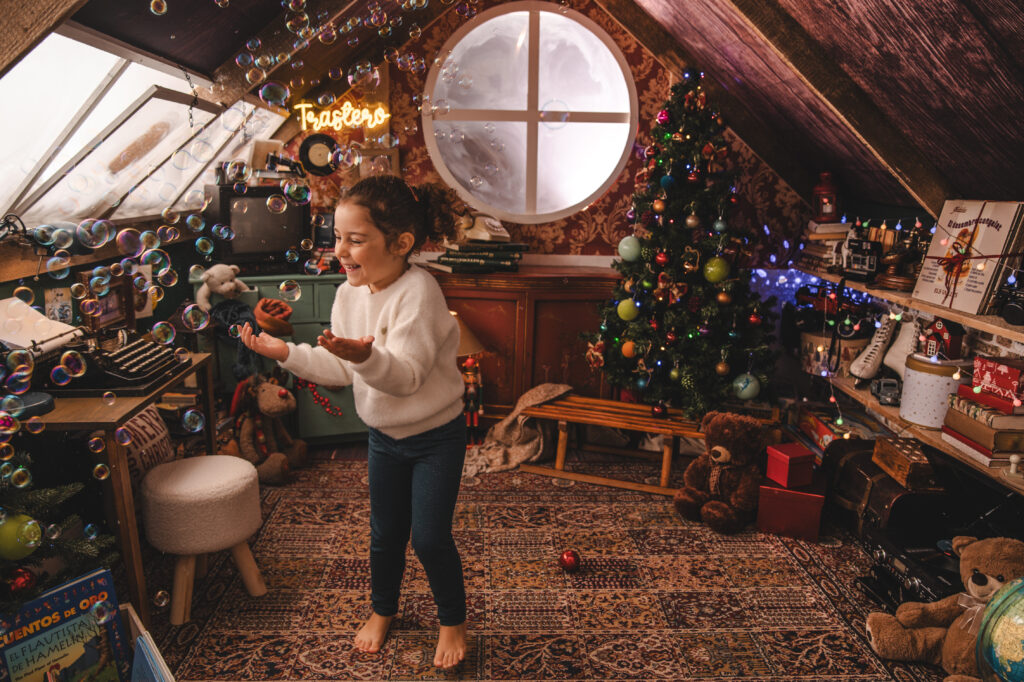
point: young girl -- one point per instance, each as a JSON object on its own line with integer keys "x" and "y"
{"x": 394, "y": 340}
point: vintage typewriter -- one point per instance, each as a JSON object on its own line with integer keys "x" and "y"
{"x": 125, "y": 365}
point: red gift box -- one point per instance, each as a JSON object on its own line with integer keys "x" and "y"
{"x": 791, "y": 465}
{"x": 999, "y": 376}
{"x": 794, "y": 512}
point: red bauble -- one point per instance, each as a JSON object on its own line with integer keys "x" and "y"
{"x": 654, "y": 324}
{"x": 755, "y": 319}
{"x": 659, "y": 410}
{"x": 661, "y": 258}
{"x": 21, "y": 579}
{"x": 570, "y": 561}
{"x": 671, "y": 337}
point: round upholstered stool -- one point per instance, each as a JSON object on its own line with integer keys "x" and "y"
{"x": 199, "y": 505}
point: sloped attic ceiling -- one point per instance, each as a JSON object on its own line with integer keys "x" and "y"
{"x": 908, "y": 103}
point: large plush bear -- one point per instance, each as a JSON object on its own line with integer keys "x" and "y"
{"x": 721, "y": 486}
{"x": 945, "y": 632}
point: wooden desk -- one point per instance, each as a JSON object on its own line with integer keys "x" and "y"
{"x": 632, "y": 416}
{"x": 80, "y": 414}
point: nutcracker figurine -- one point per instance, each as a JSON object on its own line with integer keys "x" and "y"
{"x": 473, "y": 400}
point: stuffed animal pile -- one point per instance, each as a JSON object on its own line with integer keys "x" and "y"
{"x": 945, "y": 632}
{"x": 261, "y": 438}
{"x": 721, "y": 486}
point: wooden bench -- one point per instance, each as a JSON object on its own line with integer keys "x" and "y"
{"x": 573, "y": 409}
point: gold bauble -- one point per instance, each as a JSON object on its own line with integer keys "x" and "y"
{"x": 722, "y": 368}
{"x": 628, "y": 349}
{"x": 724, "y": 297}
{"x": 658, "y": 206}
{"x": 693, "y": 220}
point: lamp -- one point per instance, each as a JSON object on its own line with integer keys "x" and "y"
{"x": 468, "y": 343}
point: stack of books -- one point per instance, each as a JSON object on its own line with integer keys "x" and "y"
{"x": 480, "y": 257}
{"x": 983, "y": 426}
{"x": 822, "y": 242}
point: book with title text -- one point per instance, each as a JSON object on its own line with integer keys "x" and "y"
{"x": 71, "y": 633}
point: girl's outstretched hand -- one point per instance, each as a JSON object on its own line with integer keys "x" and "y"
{"x": 264, "y": 344}
{"x": 353, "y": 350}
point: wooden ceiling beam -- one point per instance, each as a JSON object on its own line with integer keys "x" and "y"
{"x": 744, "y": 122}
{"x": 25, "y": 24}
{"x": 810, "y": 62}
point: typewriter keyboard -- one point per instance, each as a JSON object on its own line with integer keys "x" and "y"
{"x": 138, "y": 362}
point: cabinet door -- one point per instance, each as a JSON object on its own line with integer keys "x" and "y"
{"x": 313, "y": 419}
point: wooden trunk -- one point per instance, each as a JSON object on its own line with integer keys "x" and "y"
{"x": 905, "y": 461}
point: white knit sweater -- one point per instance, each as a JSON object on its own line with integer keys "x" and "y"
{"x": 410, "y": 383}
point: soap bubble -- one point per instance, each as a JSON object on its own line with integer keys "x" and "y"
{"x": 167, "y": 233}
{"x": 255, "y": 75}
{"x": 169, "y": 278}
{"x": 109, "y": 398}
{"x": 169, "y": 215}
{"x": 129, "y": 266}
{"x": 90, "y": 532}
{"x": 196, "y": 271}
{"x": 163, "y": 332}
{"x": 58, "y": 266}
{"x": 363, "y": 76}
{"x": 346, "y": 156}
{"x": 73, "y": 362}
{"x": 290, "y": 290}
{"x": 158, "y": 7}
{"x": 161, "y": 599}
{"x": 243, "y": 60}
{"x": 306, "y": 244}
{"x": 44, "y": 234}
{"x": 79, "y": 291}
{"x": 204, "y": 246}
{"x": 415, "y": 31}
{"x": 62, "y": 238}
{"x": 21, "y": 477}
{"x": 193, "y": 421}
{"x": 235, "y": 330}
{"x": 476, "y": 181}
{"x": 97, "y": 444}
{"x": 391, "y": 53}
{"x": 140, "y": 282}
{"x": 275, "y": 94}
{"x": 100, "y": 472}
{"x": 155, "y": 293}
{"x": 195, "y": 222}
{"x": 554, "y": 114}
{"x": 158, "y": 258}
{"x": 296, "y": 22}
{"x": 311, "y": 267}
{"x": 59, "y": 375}
{"x": 19, "y": 381}
{"x": 326, "y": 99}
{"x": 195, "y": 318}
{"x": 123, "y": 436}
{"x": 29, "y": 533}
{"x": 89, "y": 306}
{"x": 6, "y": 452}
{"x": 253, "y": 44}
{"x": 19, "y": 358}
{"x": 237, "y": 171}
{"x": 182, "y": 355}
{"x": 116, "y": 269}
{"x": 25, "y": 294}
{"x": 197, "y": 199}
{"x": 101, "y": 612}
{"x": 35, "y": 425}
{"x": 52, "y": 531}
{"x": 297, "y": 192}
{"x": 276, "y": 203}
{"x": 291, "y": 255}
{"x": 99, "y": 286}
{"x": 222, "y": 232}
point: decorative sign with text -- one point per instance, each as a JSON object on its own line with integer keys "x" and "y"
{"x": 339, "y": 118}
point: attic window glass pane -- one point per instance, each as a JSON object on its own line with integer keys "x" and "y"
{"x": 91, "y": 188}
{"x": 43, "y": 91}
{"x": 529, "y": 94}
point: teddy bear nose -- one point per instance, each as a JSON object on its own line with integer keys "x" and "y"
{"x": 979, "y": 579}
{"x": 282, "y": 393}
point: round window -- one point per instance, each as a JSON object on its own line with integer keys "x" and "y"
{"x": 530, "y": 115}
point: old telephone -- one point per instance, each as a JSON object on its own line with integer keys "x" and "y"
{"x": 481, "y": 227}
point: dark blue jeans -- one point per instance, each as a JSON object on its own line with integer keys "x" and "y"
{"x": 414, "y": 483}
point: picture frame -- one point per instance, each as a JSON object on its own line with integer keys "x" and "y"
{"x": 117, "y": 307}
{"x": 379, "y": 162}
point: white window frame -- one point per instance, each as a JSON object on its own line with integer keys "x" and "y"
{"x": 531, "y": 115}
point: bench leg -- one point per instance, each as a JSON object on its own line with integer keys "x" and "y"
{"x": 563, "y": 445}
{"x": 668, "y": 449}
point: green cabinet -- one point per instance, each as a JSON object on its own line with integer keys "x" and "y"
{"x": 311, "y": 314}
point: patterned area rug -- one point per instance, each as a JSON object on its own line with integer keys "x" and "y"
{"x": 658, "y": 597}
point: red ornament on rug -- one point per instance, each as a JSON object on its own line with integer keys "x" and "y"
{"x": 570, "y": 561}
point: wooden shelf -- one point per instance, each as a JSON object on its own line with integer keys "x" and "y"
{"x": 987, "y": 323}
{"x": 890, "y": 416}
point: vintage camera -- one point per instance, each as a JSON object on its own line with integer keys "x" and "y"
{"x": 861, "y": 258}
{"x": 1009, "y": 301}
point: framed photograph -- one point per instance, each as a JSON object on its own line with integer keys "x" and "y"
{"x": 379, "y": 162}
{"x": 58, "y": 304}
{"x": 116, "y": 307}
{"x": 143, "y": 301}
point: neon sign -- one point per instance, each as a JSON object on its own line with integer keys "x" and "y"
{"x": 346, "y": 116}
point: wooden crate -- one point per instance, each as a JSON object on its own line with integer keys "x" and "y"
{"x": 903, "y": 459}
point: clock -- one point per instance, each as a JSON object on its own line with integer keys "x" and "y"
{"x": 316, "y": 154}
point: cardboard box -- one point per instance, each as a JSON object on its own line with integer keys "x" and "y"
{"x": 793, "y": 512}
{"x": 999, "y": 376}
{"x": 791, "y": 465}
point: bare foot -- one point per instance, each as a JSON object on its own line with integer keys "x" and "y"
{"x": 451, "y": 646}
{"x": 370, "y": 638}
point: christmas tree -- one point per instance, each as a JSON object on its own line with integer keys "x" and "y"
{"x": 683, "y": 328}
{"x": 40, "y": 545}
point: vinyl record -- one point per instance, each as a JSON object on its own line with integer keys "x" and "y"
{"x": 316, "y": 152}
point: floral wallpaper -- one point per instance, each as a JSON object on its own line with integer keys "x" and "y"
{"x": 764, "y": 200}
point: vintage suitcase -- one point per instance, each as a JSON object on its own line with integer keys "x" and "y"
{"x": 861, "y": 494}
{"x": 904, "y": 460}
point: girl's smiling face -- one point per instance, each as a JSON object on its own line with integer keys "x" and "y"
{"x": 363, "y": 251}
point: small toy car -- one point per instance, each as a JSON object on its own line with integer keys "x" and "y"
{"x": 887, "y": 391}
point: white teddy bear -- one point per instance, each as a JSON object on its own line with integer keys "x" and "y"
{"x": 219, "y": 279}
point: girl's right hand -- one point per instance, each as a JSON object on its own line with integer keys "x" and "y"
{"x": 266, "y": 345}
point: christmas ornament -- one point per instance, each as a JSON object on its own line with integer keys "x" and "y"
{"x": 746, "y": 386}
{"x": 722, "y": 368}
{"x": 667, "y": 182}
{"x": 21, "y": 579}
{"x": 570, "y": 561}
{"x": 691, "y": 259}
{"x": 641, "y": 382}
{"x": 674, "y": 374}
{"x": 703, "y": 330}
{"x": 693, "y": 176}
{"x": 659, "y": 410}
{"x": 651, "y": 151}
{"x": 323, "y": 401}
{"x": 631, "y": 215}
{"x": 654, "y": 324}
{"x": 626, "y": 309}
{"x": 629, "y": 248}
{"x": 647, "y": 284}
{"x": 719, "y": 225}
{"x": 595, "y": 354}
{"x": 661, "y": 259}
{"x": 628, "y": 349}
{"x": 671, "y": 338}
{"x": 724, "y": 297}
{"x": 716, "y": 269}
{"x": 663, "y": 117}
{"x": 19, "y": 537}
{"x": 658, "y": 205}
{"x": 755, "y": 319}
{"x": 693, "y": 220}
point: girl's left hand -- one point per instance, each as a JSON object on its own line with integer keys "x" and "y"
{"x": 353, "y": 350}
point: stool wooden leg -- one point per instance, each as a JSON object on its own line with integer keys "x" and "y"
{"x": 201, "y": 565}
{"x": 181, "y": 598}
{"x": 248, "y": 569}
{"x": 668, "y": 448}
{"x": 563, "y": 444}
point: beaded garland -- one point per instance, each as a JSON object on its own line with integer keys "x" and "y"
{"x": 320, "y": 400}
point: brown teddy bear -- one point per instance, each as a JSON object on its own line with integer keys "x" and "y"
{"x": 722, "y": 485}
{"x": 257, "y": 406}
{"x": 944, "y": 632}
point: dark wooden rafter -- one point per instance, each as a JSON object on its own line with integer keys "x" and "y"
{"x": 25, "y": 24}
{"x": 794, "y": 45}
{"x": 747, "y": 125}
